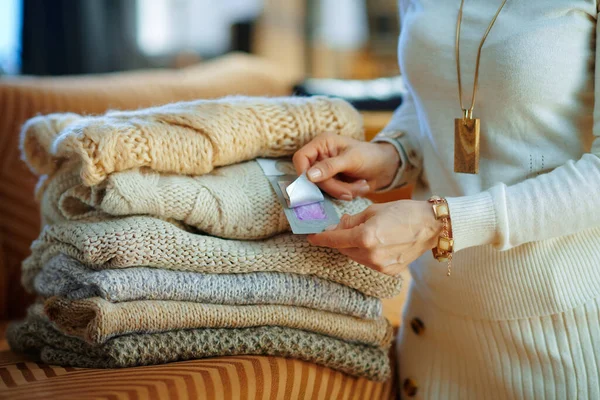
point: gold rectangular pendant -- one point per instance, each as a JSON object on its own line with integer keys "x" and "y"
{"x": 466, "y": 145}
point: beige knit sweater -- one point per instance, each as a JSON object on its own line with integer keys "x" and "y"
{"x": 235, "y": 202}
{"x": 38, "y": 337}
{"x": 189, "y": 138}
{"x": 97, "y": 320}
{"x": 145, "y": 241}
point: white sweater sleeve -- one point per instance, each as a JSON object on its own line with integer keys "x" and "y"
{"x": 561, "y": 202}
{"x": 403, "y": 132}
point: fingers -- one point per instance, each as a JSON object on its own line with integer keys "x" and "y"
{"x": 350, "y": 221}
{"x": 390, "y": 261}
{"x": 324, "y": 145}
{"x": 345, "y": 190}
{"x": 378, "y": 258}
{"x": 304, "y": 158}
{"x": 337, "y": 239}
{"x": 344, "y": 238}
{"x": 361, "y": 256}
{"x": 350, "y": 232}
{"x": 330, "y": 167}
{"x": 323, "y": 173}
{"x": 323, "y": 158}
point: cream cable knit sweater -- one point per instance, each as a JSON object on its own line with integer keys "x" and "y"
{"x": 145, "y": 241}
{"x": 518, "y": 318}
{"x": 97, "y": 320}
{"x": 234, "y": 202}
{"x": 189, "y": 138}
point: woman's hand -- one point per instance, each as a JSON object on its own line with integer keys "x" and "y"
{"x": 386, "y": 237}
{"x": 345, "y": 167}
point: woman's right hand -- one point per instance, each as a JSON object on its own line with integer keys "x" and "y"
{"x": 345, "y": 167}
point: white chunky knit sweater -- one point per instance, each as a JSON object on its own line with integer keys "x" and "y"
{"x": 518, "y": 318}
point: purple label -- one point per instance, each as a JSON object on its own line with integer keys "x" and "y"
{"x": 314, "y": 211}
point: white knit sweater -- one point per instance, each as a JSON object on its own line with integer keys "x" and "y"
{"x": 519, "y": 317}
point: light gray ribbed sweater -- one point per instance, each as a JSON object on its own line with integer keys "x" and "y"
{"x": 66, "y": 276}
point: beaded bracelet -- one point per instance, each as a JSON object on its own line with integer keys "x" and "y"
{"x": 444, "y": 250}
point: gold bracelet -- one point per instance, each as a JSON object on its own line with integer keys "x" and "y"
{"x": 444, "y": 250}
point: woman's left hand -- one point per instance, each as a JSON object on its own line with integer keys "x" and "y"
{"x": 386, "y": 237}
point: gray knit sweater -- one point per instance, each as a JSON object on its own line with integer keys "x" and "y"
{"x": 145, "y": 241}
{"x": 38, "y": 337}
{"x": 66, "y": 276}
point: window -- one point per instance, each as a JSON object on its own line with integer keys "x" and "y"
{"x": 10, "y": 36}
{"x": 165, "y": 27}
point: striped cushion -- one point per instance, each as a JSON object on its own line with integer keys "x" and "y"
{"x": 251, "y": 377}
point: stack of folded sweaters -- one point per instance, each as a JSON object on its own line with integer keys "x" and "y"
{"x": 164, "y": 241}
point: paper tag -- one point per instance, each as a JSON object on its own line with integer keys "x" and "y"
{"x": 302, "y": 192}
{"x": 276, "y": 166}
{"x": 305, "y": 207}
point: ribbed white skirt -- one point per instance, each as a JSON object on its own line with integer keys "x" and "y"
{"x": 445, "y": 356}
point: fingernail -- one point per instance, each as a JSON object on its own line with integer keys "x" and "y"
{"x": 346, "y": 197}
{"x": 314, "y": 173}
{"x": 364, "y": 190}
{"x": 331, "y": 227}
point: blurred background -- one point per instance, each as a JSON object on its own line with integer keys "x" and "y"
{"x": 348, "y": 39}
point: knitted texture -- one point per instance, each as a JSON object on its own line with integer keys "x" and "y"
{"x": 67, "y": 277}
{"x": 97, "y": 320}
{"x": 234, "y": 202}
{"x": 184, "y": 138}
{"x": 144, "y": 241}
{"x": 38, "y": 337}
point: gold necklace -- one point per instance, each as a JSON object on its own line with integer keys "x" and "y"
{"x": 466, "y": 129}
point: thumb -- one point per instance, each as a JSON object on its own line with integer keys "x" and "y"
{"x": 346, "y": 234}
{"x": 330, "y": 167}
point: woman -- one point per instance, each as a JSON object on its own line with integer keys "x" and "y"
{"x": 518, "y": 317}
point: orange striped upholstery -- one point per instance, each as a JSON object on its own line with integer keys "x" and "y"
{"x": 251, "y": 377}
{"x": 23, "y": 98}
